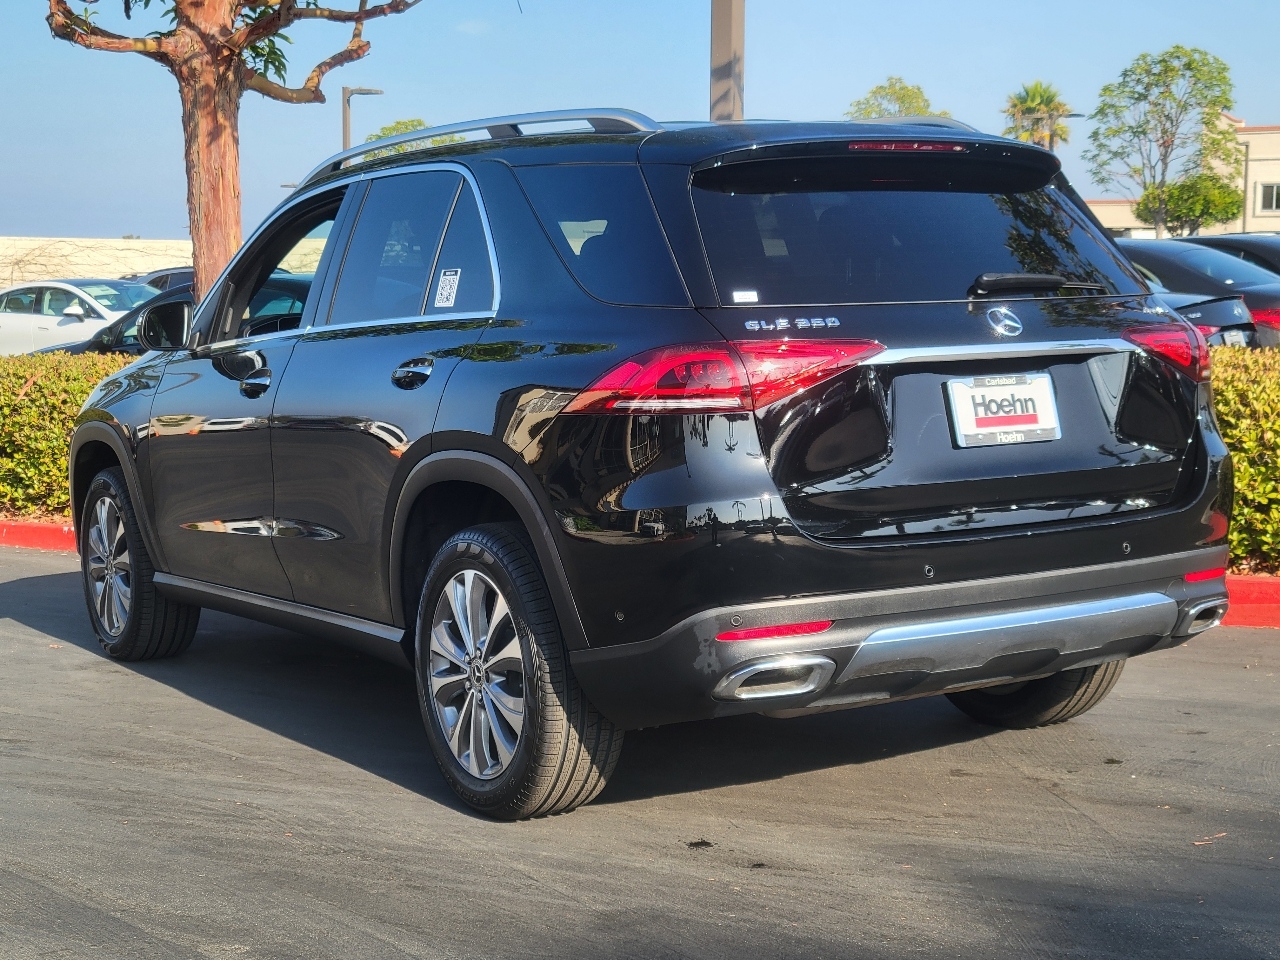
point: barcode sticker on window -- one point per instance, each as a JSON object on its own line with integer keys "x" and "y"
{"x": 447, "y": 292}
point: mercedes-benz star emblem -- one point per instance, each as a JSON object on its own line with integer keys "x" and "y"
{"x": 1004, "y": 321}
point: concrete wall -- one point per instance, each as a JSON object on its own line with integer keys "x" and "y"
{"x": 24, "y": 259}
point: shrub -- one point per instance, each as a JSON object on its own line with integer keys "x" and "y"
{"x": 1246, "y": 389}
{"x": 40, "y": 395}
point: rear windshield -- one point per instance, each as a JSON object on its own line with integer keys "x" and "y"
{"x": 824, "y": 231}
{"x": 602, "y": 221}
{"x": 1226, "y": 268}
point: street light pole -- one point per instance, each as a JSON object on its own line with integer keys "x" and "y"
{"x": 347, "y": 94}
{"x": 728, "y": 58}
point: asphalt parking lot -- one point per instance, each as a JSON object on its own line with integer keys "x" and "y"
{"x": 270, "y": 795}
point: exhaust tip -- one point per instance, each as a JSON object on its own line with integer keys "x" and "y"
{"x": 784, "y": 676}
{"x": 1201, "y": 617}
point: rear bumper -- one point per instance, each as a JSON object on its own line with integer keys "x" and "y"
{"x": 894, "y": 644}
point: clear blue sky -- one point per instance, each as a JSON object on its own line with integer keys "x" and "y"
{"x": 93, "y": 143}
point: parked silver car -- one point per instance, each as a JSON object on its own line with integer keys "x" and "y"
{"x": 62, "y": 313}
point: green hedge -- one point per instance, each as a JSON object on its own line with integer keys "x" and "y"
{"x": 1246, "y": 392}
{"x": 40, "y": 396}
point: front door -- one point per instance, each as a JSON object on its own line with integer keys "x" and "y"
{"x": 357, "y": 406}
{"x": 209, "y": 438}
{"x": 53, "y": 328}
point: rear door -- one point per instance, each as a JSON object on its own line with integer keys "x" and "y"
{"x": 17, "y": 320}
{"x": 356, "y": 409}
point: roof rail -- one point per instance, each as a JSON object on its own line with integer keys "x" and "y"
{"x": 923, "y": 121}
{"x": 498, "y": 128}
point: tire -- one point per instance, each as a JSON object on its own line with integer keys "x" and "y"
{"x": 1038, "y": 703}
{"x": 563, "y": 750}
{"x": 132, "y": 619}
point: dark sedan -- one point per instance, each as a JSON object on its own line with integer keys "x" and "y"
{"x": 1222, "y": 321}
{"x": 1189, "y": 268}
{"x": 1260, "y": 249}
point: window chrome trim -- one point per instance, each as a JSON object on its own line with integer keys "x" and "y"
{"x": 999, "y": 351}
{"x": 367, "y": 176}
{"x": 418, "y": 318}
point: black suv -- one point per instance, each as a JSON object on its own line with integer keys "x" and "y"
{"x": 606, "y": 428}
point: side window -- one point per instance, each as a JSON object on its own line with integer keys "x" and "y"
{"x": 1256, "y": 260}
{"x": 463, "y": 281}
{"x": 20, "y": 301}
{"x": 270, "y": 286}
{"x": 388, "y": 262}
{"x": 54, "y": 300}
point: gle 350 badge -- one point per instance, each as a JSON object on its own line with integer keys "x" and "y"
{"x": 799, "y": 323}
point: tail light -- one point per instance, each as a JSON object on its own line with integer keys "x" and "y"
{"x": 1267, "y": 318}
{"x": 1180, "y": 345}
{"x": 719, "y": 377}
{"x": 1206, "y": 331}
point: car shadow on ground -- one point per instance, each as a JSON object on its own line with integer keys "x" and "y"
{"x": 364, "y": 711}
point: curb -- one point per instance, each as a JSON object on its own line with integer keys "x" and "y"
{"x": 38, "y": 536}
{"x": 1255, "y": 600}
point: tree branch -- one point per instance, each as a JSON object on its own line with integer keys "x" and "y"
{"x": 310, "y": 91}
{"x": 65, "y": 24}
{"x": 288, "y": 12}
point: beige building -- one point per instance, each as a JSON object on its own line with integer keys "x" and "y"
{"x": 1261, "y": 190}
{"x": 25, "y": 259}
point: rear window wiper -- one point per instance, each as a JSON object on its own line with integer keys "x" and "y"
{"x": 988, "y": 283}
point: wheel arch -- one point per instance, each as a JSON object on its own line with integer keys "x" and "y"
{"x": 95, "y": 446}
{"x": 502, "y": 495}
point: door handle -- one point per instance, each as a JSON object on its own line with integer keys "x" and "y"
{"x": 256, "y": 383}
{"x": 412, "y": 374}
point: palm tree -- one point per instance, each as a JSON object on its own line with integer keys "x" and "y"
{"x": 1035, "y": 115}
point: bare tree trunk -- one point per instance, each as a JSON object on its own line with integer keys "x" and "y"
{"x": 210, "y": 87}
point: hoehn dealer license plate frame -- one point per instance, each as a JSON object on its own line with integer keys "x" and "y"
{"x": 999, "y": 410}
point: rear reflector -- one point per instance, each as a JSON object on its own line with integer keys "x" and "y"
{"x": 779, "y": 630}
{"x": 1180, "y": 345}
{"x": 915, "y": 146}
{"x": 1268, "y": 318}
{"x": 1201, "y": 575}
{"x": 719, "y": 377}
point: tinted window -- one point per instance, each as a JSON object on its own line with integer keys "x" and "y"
{"x": 839, "y": 231}
{"x": 388, "y": 262}
{"x": 1222, "y": 266}
{"x": 463, "y": 281}
{"x": 602, "y": 221}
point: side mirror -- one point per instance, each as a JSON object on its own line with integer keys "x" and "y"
{"x": 74, "y": 311}
{"x": 166, "y": 326}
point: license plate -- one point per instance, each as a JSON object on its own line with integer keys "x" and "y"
{"x": 986, "y": 411}
{"x": 1233, "y": 338}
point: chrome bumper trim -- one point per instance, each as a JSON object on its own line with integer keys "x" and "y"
{"x": 943, "y": 646}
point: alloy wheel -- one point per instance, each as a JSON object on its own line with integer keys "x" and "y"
{"x": 475, "y": 674}
{"x": 109, "y": 567}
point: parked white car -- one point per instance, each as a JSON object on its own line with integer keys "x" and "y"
{"x": 61, "y": 313}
